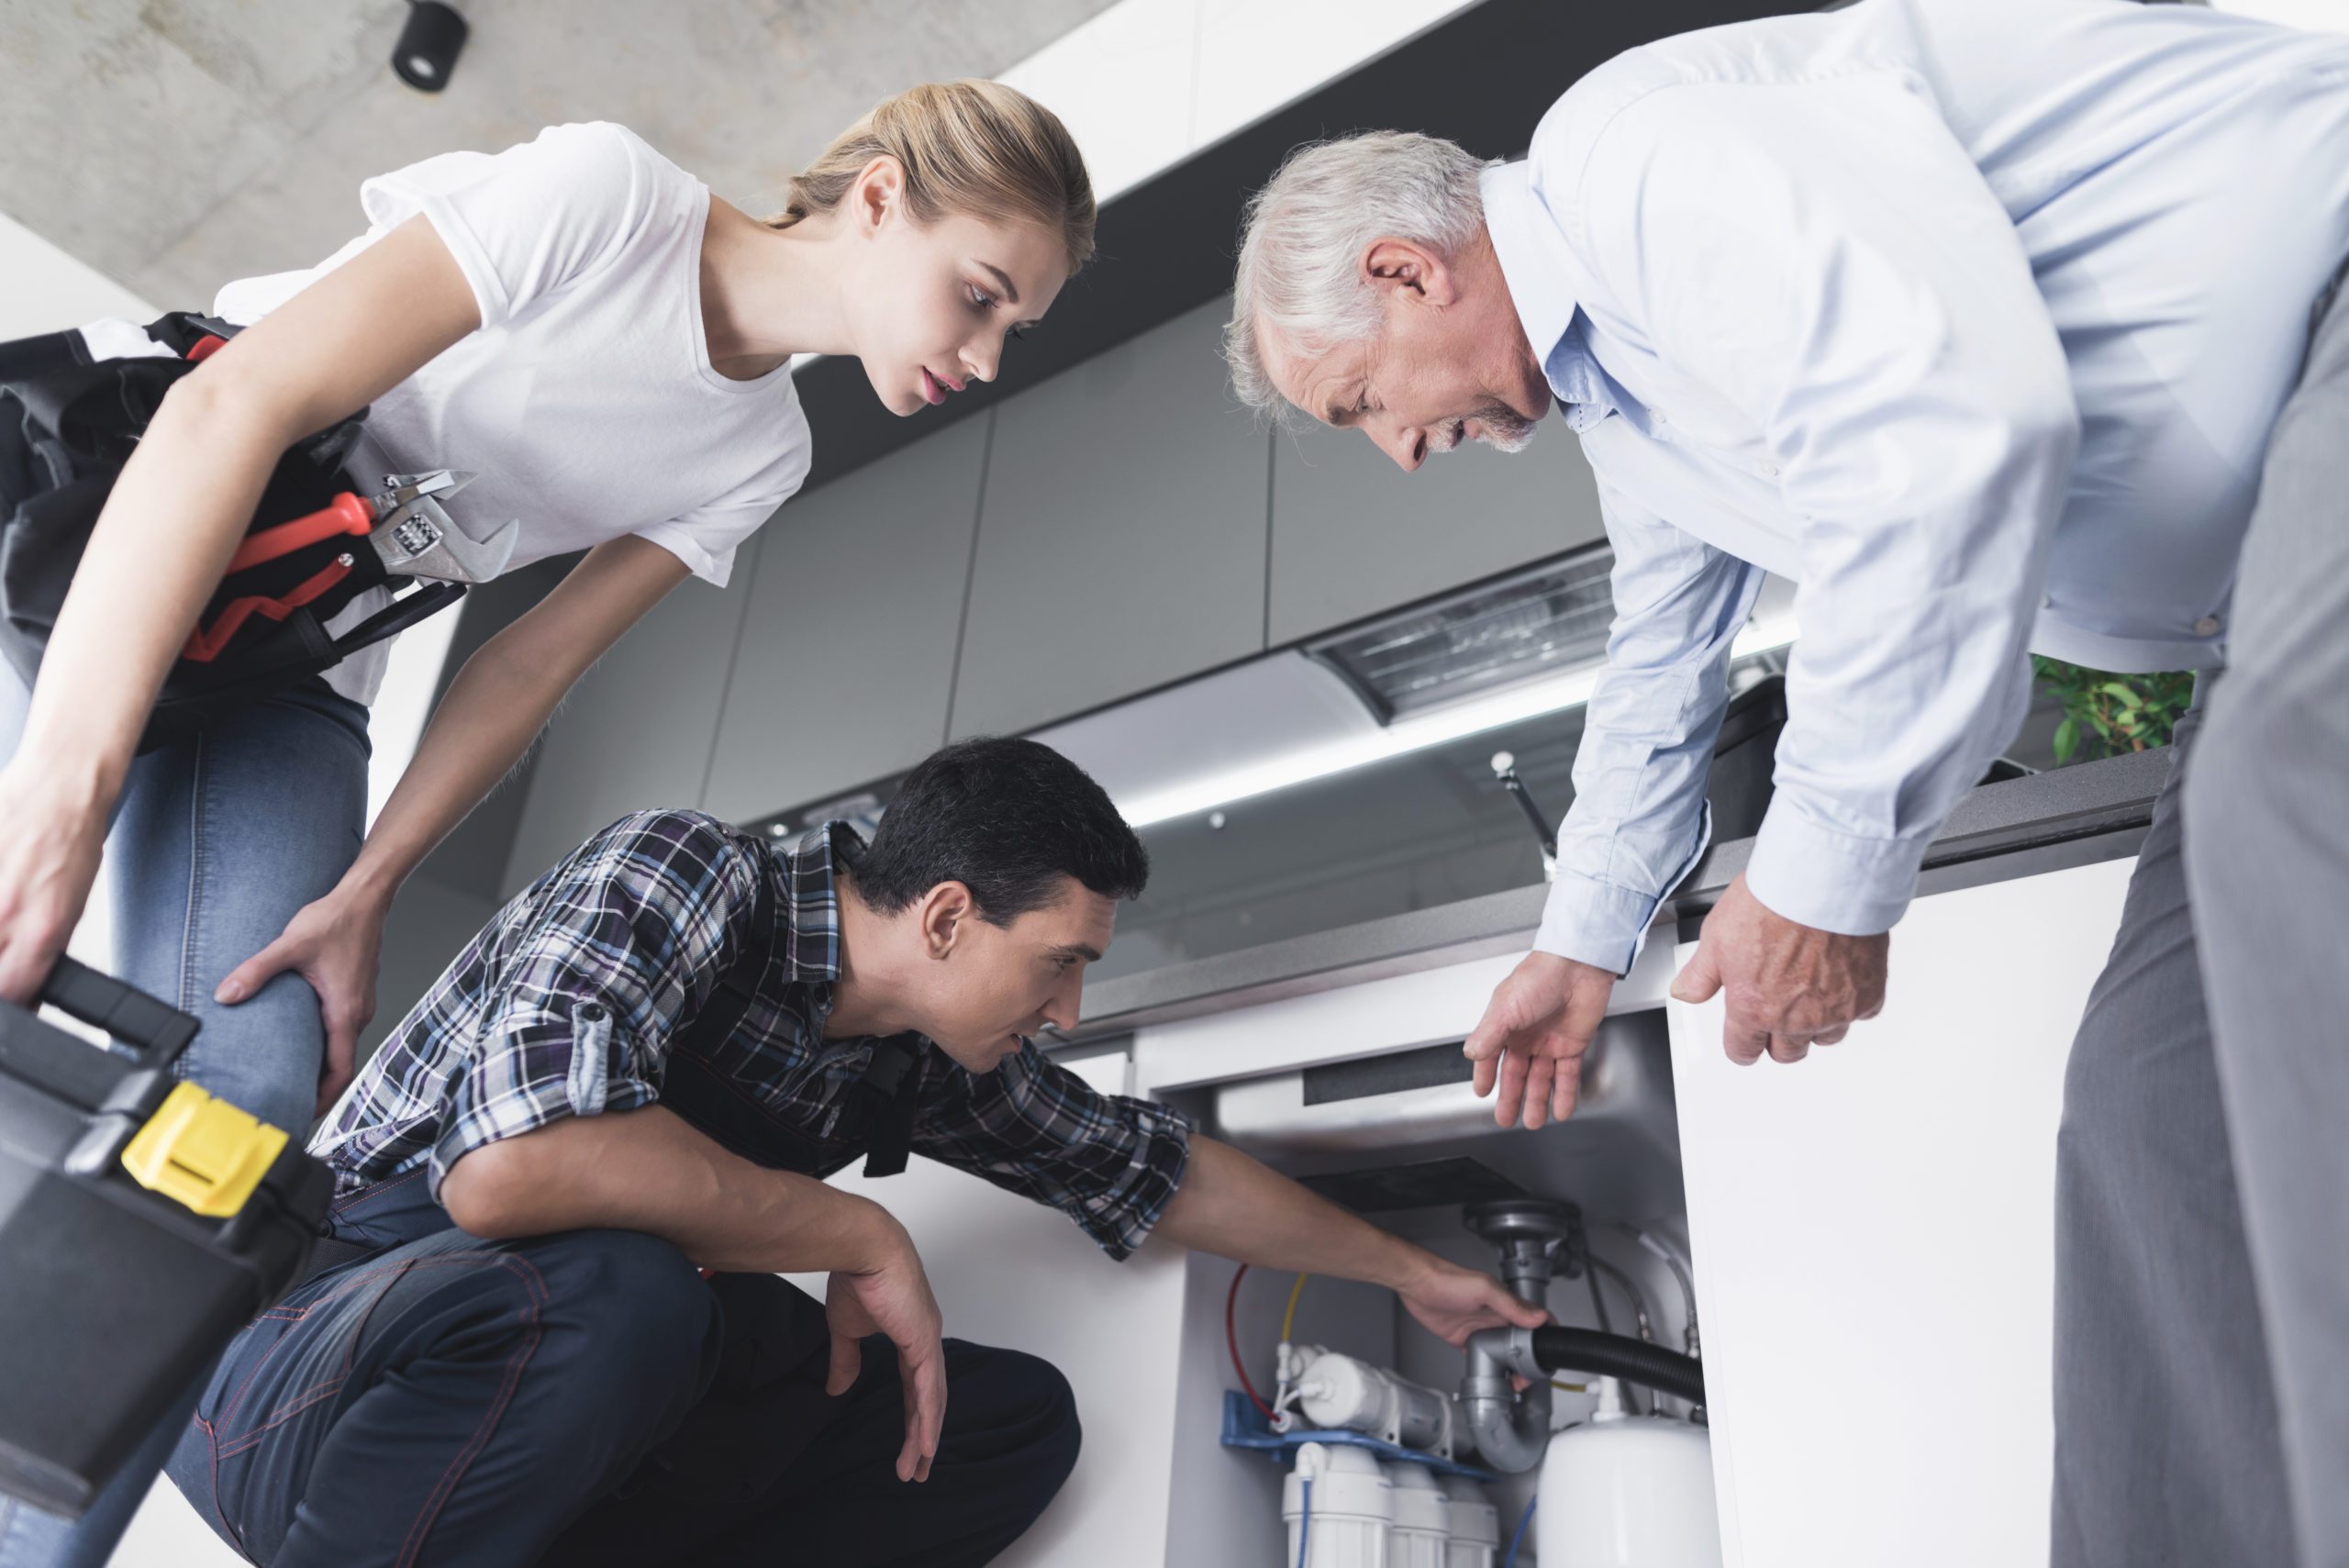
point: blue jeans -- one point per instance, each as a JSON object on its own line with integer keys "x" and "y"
{"x": 216, "y": 844}
{"x": 586, "y": 1399}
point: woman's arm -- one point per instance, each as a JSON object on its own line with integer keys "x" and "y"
{"x": 488, "y": 718}
{"x": 160, "y": 546}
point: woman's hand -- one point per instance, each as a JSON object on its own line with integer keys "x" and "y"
{"x": 335, "y": 944}
{"x": 51, "y": 836}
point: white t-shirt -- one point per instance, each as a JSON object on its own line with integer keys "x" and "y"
{"x": 587, "y": 401}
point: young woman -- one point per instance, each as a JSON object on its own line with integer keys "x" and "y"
{"x": 605, "y": 343}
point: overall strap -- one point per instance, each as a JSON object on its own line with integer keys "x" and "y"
{"x": 891, "y": 1088}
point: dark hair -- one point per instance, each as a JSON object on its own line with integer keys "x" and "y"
{"x": 1007, "y": 818}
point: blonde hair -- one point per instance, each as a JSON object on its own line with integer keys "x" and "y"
{"x": 974, "y": 147}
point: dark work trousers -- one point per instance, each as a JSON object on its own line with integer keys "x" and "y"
{"x": 588, "y": 1399}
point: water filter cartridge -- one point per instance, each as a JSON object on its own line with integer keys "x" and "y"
{"x": 1472, "y": 1525}
{"x": 1422, "y": 1525}
{"x": 1338, "y": 1393}
{"x": 1339, "y": 1507}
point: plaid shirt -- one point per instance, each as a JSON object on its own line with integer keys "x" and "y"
{"x": 568, "y": 1002}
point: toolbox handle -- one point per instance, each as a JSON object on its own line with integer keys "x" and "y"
{"x": 157, "y": 1031}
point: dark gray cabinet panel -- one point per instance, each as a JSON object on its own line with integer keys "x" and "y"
{"x": 1121, "y": 542}
{"x": 1354, "y": 536}
{"x": 636, "y": 731}
{"x": 849, "y": 652}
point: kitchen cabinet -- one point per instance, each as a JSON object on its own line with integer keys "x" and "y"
{"x": 1895, "y": 1192}
{"x": 848, "y": 653}
{"x": 636, "y": 731}
{"x": 1354, "y": 536}
{"x": 1121, "y": 540}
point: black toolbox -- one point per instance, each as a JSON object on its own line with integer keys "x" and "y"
{"x": 142, "y": 1223}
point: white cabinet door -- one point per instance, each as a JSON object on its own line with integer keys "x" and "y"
{"x": 1873, "y": 1231}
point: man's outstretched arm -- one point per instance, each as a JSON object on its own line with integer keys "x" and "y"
{"x": 1236, "y": 1208}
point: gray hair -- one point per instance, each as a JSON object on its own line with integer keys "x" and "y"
{"x": 1302, "y": 237}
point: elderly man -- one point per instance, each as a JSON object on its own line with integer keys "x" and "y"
{"x": 2000, "y": 325}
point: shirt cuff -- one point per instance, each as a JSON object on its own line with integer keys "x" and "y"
{"x": 1122, "y": 1221}
{"x": 1605, "y": 925}
{"x": 1594, "y": 924}
{"x": 1832, "y": 881}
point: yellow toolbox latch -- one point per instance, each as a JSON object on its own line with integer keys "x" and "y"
{"x": 203, "y": 1153}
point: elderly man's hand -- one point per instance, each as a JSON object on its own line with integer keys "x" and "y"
{"x": 1789, "y": 986}
{"x": 1533, "y": 1036}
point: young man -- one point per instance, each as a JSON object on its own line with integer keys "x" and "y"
{"x": 2002, "y": 326}
{"x": 570, "y": 1173}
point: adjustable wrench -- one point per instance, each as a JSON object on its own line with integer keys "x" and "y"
{"x": 414, "y": 537}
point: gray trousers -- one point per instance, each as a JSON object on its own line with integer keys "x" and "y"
{"x": 2202, "y": 1226}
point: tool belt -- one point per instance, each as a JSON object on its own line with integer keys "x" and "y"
{"x": 68, "y": 423}
{"x": 142, "y": 1223}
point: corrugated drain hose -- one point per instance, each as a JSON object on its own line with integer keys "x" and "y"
{"x": 1587, "y": 1350}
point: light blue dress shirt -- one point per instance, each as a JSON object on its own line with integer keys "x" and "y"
{"x": 1972, "y": 317}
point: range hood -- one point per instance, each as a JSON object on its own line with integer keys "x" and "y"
{"x": 1505, "y": 651}
{"x": 1495, "y": 654}
{"x": 1554, "y": 617}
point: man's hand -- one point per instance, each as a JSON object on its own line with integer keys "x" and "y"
{"x": 894, "y": 1298}
{"x": 1789, "y": 986}
{"x": 1453, "y": 1303}
{"x": 1535, "y": 1030}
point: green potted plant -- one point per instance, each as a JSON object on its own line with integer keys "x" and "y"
{"x": 2105, "y": 713}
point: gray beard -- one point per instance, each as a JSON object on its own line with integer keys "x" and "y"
{"x": 1506, "y": 429}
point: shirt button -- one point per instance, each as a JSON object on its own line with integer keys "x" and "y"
{"x": 588, "y": 1012}
{"x": 2207, "y": 626}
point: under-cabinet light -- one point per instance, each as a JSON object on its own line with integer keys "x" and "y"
{"x": 1417, "y": 732}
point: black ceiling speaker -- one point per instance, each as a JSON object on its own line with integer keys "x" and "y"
{"x": 429, "y": 46}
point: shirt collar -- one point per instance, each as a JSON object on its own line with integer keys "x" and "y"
{"x": 808, "y": 884}
{"x": 1537, "y": 266}
{"x": 1531, "y": 254}
{"x": 810, "y": 877}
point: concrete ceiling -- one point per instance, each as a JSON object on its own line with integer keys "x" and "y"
{"x": 177, "y": 144}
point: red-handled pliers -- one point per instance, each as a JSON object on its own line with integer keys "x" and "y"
{"x": 406, "y": 528}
